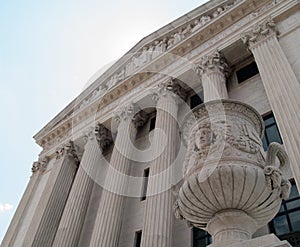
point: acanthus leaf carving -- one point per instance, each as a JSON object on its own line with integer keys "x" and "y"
{"x": 169, "y": 88}
{"x": 40, "y": 165}
{"x": 103, "y": 136}
{"x": 215, "y": 62}
{"x": 69, "y": 150}
{"x": 259, "y": 33}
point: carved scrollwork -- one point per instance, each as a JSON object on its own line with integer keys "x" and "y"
{"x": 273, "y": 171}
{"x": 132, "y": 113}
{"x": 169, "y": 88}
{"x": 259, "y": 32}
{"x": 125, "y": 113}
{"x": 215, "y": 62}
{"x": 69, "y": 150}
{"x": 35, "y": 166}
{"x": 40, "y": 165}
{"x": 103, "y": 136}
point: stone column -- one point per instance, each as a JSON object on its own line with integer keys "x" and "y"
{"x": 213, "y": 70}
{"x": 44, "y": 224}
{"x": 281, "y": 85}
{"x": 72, "y": 220}
{"x": 110, "y": 213}
{"x": 158, "y": 219}
{"x": 38, "y": 168}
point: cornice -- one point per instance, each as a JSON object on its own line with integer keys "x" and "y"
{"x": 99, "y": 102}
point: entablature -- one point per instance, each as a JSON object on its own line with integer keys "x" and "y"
{"x": 102, "y": 99}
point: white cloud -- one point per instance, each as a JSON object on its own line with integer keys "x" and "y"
{"x": 5, "y": 207}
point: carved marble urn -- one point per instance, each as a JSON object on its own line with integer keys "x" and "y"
{"x": 231, "y": 186}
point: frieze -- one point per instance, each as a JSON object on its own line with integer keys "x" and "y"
{"x": 156, "y": 48}
{"x": 63, "y": 132}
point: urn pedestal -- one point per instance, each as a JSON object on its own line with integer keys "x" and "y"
{"x": 231, "y": 186}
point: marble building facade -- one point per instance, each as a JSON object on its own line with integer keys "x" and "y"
{"x": 117, "y": 163}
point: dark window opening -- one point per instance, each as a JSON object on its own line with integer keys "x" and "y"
{"x": 286, "y": 224}
{"x": 271, "y": 131}
{"x": 145, "y": 183}
{"x": 152, "y": 123}
{"x": 138, "y": 239}
{"x": 247, "y": 72}
{"x": 195, "y": 100}
{"x": 200, "y": 238}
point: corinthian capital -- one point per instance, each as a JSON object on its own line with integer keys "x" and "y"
{"x": 103, "y": 136}
{"x": 215, "y": 62}
{"x": 259, "y": 32}
{"x": 125, "y": 113}
{"x": 171, "y": 87}
{"x": 132, "y": 113}
{"x": 40, "y": 165}
{"x": 67, "y": 149}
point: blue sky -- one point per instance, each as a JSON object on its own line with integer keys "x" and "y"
{"x": 48, "y": 52}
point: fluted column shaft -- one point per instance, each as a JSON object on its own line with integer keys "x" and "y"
{"x": 282, "y": 88}
{"x": 213, "y": 70}
{"x": 110, "y": 212}
{"x": 72, "y": 220}
{"x": 214, "y": 86}
{"x": 37, "y": 169}
{"x": 49, "y": 211}
{"x": 158, "y": 220}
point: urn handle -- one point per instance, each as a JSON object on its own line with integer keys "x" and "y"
{"x": 276, "y": 150}
{"x": 273, "y": 171}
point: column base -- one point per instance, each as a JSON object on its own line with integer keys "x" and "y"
{"x": 269, "y": 240}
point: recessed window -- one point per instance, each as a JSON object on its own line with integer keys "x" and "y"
{"x": 286, "y": 224}
{"x": 152, "y": 123}
{"x": 195, "y": 100}
{"x": 271, "y": 131}
{"x": 247, "y": 72}
{"x": 138, "y": 239}
{"x": 200, "y": 238}
{"x": 145, "y": 183}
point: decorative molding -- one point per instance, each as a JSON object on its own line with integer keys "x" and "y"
{"x": 259, "y": 33}
{"x": 215, "y": 62}
{"x": 98, "y": 100}
{"x": 266, "y": 8}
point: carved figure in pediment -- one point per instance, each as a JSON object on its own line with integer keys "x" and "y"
{"x": 129, "y": 68}
{"x": 121, "y": 75}
{"x": 170, "y": 41}
{"x": 187, "y": 31}
{"x": 112, "y": 81}
{"x": 218, "y": 11}
{"x": 205, "y": 19}
{"x": 150, "y": 52}
{"x": 163, "y": 45}
{"x": 178, "y": 36}
{"x": 157, "y": 49}
{"x": 197, "y": 25}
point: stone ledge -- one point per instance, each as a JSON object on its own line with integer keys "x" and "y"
{"x": 265, "y": 241}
